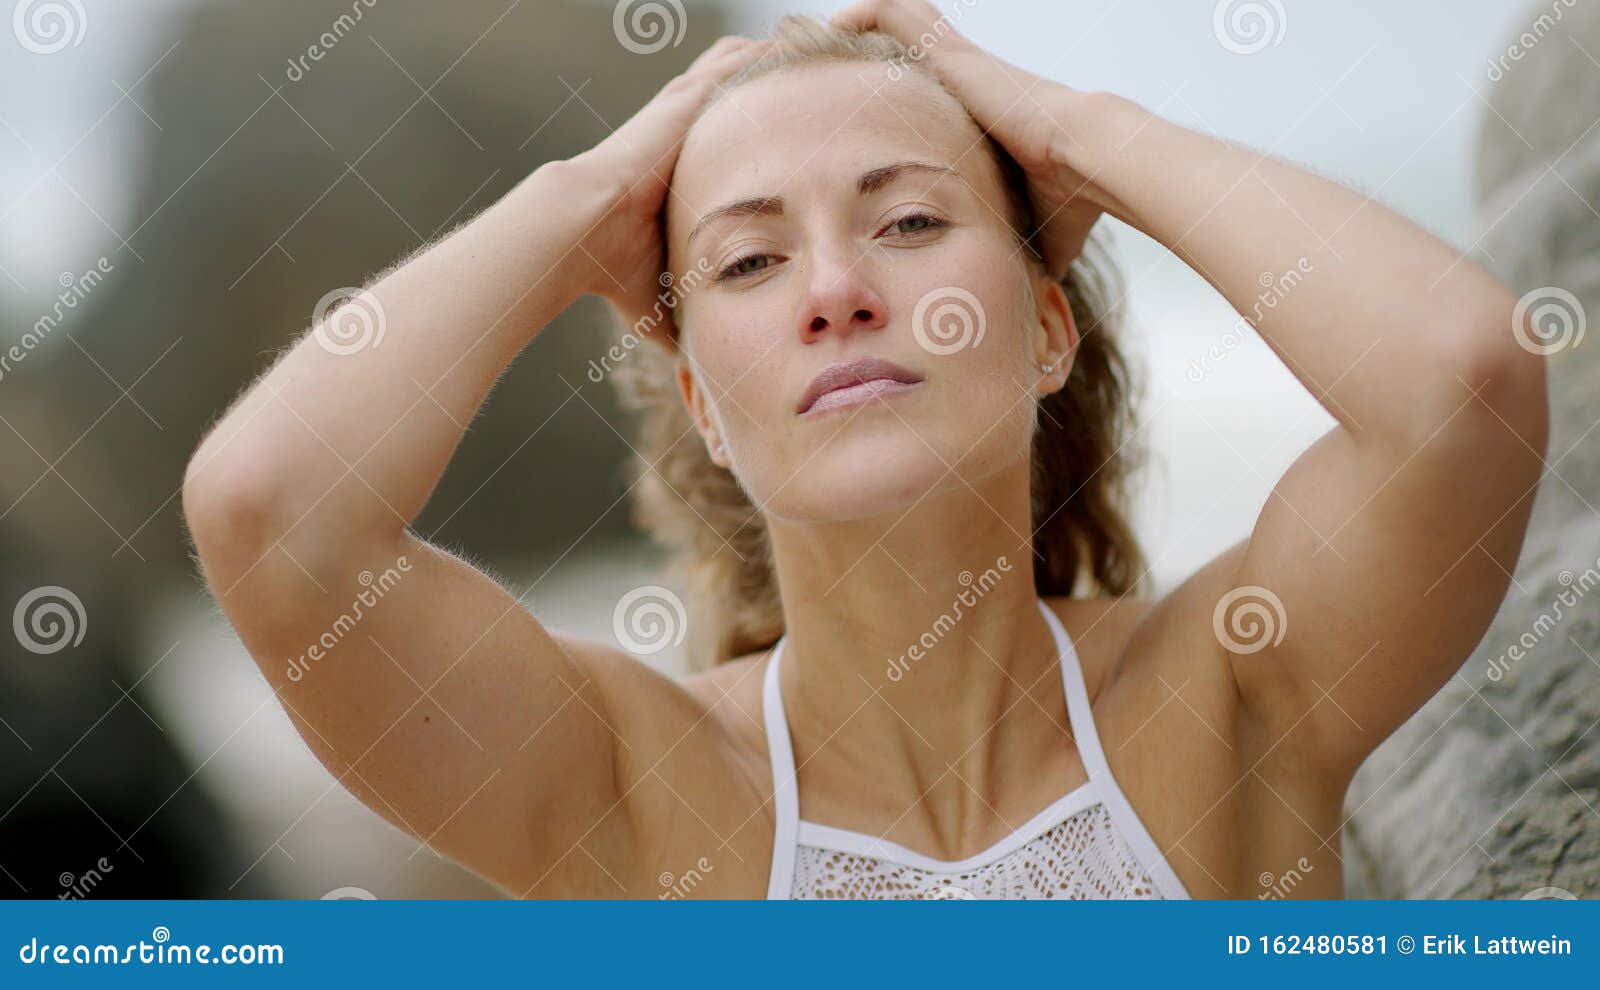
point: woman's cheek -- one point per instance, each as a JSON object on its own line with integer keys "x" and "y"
{"x": 745, "y": 368}
{"x": 960, "y": 305}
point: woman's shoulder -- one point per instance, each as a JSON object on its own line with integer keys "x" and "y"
{"x": 731, "y": 678}
{"x": 1101, "y": 628}
{"x": 729, "y": 694}
{"x": 1169, "y": 633}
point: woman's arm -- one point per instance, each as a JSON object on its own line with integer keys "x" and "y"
{"x": 1390, "y": 542}
{"x": 424, "y": 686}
{"x": 361, "y": 436}
{"x": 1386, "y": 548}
{"x": 1375, "y": 308}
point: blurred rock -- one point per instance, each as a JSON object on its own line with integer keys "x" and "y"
{"x": 276, "y": 177}
{"x": 95, "y": 799}
{"x": 1493, "y": 789}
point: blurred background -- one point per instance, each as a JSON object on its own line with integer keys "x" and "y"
{"x": 181, "y": 181}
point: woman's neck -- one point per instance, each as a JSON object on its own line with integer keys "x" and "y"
{"x": 909, "y": 637}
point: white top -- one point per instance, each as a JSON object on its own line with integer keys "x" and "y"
{"x": 1088, "y": 843}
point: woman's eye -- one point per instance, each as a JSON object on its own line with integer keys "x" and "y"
{"x": 906, "y": 226}
{"x": 918, "y": 223}
{"x": 744, "y": 266}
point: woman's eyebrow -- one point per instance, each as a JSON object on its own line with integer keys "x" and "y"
{"x": 875, "y": 179}
{"x": 754, "y": 206}
{"x": 870, "y": 182}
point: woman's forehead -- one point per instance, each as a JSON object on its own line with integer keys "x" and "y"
{"x": 785, "y": 132}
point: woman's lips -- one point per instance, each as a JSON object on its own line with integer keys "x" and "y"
{"x": 848, "y": 383}
{"x": 855, "y": 395}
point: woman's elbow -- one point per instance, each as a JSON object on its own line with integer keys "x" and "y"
{"x": 1506, "y": 370}
{"x": 228, "y": 518}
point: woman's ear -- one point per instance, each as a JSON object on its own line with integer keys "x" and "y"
{"x": 694, "y": 402}
{"x": 1055, "y": 341}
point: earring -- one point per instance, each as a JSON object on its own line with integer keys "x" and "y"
{"x": 1047, "y": 366}
{"x": 720, "y": 450}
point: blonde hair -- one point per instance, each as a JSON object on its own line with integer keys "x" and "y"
{"x": 1081, "y": 456}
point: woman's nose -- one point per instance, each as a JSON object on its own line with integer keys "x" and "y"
{"x": 840, "y": 297}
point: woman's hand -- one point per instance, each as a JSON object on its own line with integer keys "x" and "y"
{"x": 1020, "y": 110}
{"x": 626, "y": 253}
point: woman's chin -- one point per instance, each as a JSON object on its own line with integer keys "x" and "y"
{"x": 864, "y": 485}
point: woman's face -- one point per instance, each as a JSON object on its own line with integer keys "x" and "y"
{"x": 865, "y": 257}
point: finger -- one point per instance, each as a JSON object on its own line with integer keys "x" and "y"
{"x": 723, "y": 45}
{"x": 712, "y": 69}
{"x": 656, "y": 130}
{"x": 864, "y": 15}
{"x": 910, "y": 22}
{"x": 726, "y": 56}
{"x": 861, "y": 16}
{"x": 988, "y": 85}
{"x": 740, "y": 57}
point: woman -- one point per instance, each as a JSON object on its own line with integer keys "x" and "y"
{"x": 913, "y": 583}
